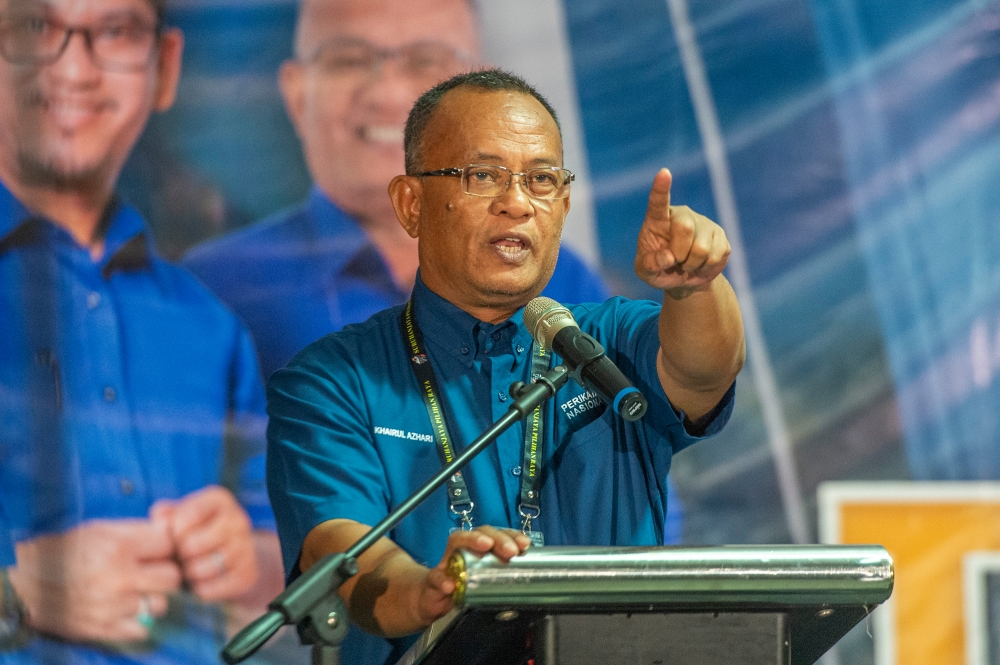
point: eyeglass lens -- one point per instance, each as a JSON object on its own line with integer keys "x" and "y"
{"x": 542, "y": 183}
{"x": 356, "y": 57}
{"x": 125, "y": 42}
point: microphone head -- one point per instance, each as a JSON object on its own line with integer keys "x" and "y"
{"x": 544, "y": 317}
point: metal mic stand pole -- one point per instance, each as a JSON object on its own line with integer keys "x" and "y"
{"x": 313, "y": 602}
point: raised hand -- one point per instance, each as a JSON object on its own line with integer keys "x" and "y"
{"x": 678, "y": 251}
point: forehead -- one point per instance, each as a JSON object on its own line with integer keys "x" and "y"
{"x": 509, "y": 128}
{"x": 80, "y": 9}
{"x": 389, "y": 22}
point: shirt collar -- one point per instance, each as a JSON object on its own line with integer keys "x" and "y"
{"x": 12, "y": 212}
{"x": 127, "y": 244}
{"x": 334, "y": 234}
{"x": 341, "y": 246}
{"x": 453, "y": 329}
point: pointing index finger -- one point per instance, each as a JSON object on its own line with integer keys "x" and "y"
{"x": 659, "y": 196}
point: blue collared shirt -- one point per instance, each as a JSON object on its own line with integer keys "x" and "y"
{"x": 312, "y": 270}
{"x": 6, "y": 542}
{"x": 349, "y": 434}
{"x": 122, "y": 381}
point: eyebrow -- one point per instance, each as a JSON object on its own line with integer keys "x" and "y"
{"x": 489, "y": 157}
{"x": 49, "y": 7}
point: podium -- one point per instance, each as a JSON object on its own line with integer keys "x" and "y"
{"x": 774, "y": 605}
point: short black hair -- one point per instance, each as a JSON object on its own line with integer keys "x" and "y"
{"x": 484, "y": 79}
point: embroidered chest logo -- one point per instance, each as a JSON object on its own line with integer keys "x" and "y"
{"x": 402, "y": 434}
{"x": 581, "y": 404}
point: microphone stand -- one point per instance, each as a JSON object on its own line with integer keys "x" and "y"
{"x": 313, "y": 600}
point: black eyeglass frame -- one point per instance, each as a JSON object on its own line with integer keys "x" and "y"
{"x": 460, "y": 171}
{"x": 88, "y": 37}
{"x": 381, "y": 55}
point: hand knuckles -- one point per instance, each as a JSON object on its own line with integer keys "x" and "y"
{"x": 699, "y": 250}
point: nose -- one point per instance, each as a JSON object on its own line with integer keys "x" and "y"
{"x": 389, "y": 86}
{"x": 77, "y": 58}
{"x": 515, "y": 202}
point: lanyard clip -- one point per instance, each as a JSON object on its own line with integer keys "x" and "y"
{"x": 528, "y": 513}
{"x": 466, "y": 515}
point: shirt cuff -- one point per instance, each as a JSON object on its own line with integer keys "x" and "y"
{"x": 712, "y": 422}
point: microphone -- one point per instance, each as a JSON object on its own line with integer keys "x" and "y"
{"x": 554, "y": 327}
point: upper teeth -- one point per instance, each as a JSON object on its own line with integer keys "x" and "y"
{"x": 384, "y": 133}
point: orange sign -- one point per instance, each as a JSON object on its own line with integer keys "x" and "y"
{"x": 928, "y": 528}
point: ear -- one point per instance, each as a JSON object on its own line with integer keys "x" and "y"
{"x": 404, "y": 192}
{"x": 291, "y": 80}
{"x": 168, "y": 68}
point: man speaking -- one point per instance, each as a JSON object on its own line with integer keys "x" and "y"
{"x": 351, "y": 433}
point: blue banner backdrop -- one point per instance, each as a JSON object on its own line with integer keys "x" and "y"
{"x": 862, "y": 139}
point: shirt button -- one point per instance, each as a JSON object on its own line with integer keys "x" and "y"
{"x": 496, "y": 336}
{"x": 465, "y": 350}
{"x": 93, "y": 300}
{"x": 502, "y": 396}
{"x": 127, "y": 487}
{"x": 516, "y": 471}
{"x": 109, "y": 394}
{"x": 520, "y": 349}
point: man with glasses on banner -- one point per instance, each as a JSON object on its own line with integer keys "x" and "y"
{"x": 361, "y": 418}
{"x": 122, "y": 380}
{"x": 340, "y": 255}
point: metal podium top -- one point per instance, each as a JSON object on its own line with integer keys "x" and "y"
{"x": 677, "y": 601}
{"x": 636, "y": 576}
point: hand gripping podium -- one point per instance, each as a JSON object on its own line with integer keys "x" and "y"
{"x": 775, "y": 605}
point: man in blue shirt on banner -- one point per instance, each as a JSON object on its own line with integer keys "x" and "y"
{"x": 340, "y": 255}
{"x": 356, "y": 418}
{"x": 121, "y": 378}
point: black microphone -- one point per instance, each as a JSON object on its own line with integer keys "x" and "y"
{"x": 554, "y": 327}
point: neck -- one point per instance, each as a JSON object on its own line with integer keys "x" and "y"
{"x": 493, "y": 310}
{"x": 491, "y": 314}
{"x": 77, "y": 210}
{"x": 397, "y": 249}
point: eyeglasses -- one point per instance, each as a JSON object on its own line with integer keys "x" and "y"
{"x": 125, "y": 43}
{"x": 546, "y": 183}
{"x": 355, "y": 58}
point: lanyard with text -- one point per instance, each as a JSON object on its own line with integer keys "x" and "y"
{"x": 459, "y": 500}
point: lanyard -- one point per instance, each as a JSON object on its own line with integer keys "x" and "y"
{"x": 534, "y": 438}
{"x": 459, "y": 500}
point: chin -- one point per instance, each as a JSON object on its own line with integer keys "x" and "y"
{"x": 60, "y": 172}
{"x": 508, "y": 291}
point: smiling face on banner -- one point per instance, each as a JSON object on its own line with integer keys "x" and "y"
{"x": 69, "y": 118}
{"x": 360, "y": 65}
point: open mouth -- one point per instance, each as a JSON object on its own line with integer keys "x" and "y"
{"x": 512, "y": 248}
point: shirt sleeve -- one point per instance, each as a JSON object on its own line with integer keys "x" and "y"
{"x": 628, "y": 331}
{"x": 246, "y": 439}
{"x": 322, "y": 463}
